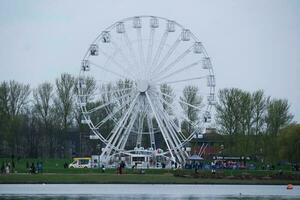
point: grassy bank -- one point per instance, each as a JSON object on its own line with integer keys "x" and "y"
{"x": 129, "y": 179}
{"x": 54, "y": 172}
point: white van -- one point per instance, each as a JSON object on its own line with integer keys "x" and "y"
{"x": 81, "y": 163}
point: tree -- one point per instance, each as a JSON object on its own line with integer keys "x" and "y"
{"x": 227, "y": 111}
{"x": 289, "y": 143}
{"x": 43, "y": 97}
{"x": 277, "y": 115}
{"x": 64, "y": 105}
{"x": 65, "y": 98}
{"x": 259, "y": 108}
{"x": 240, "y": 115}
{"x": 13, "y": 105}
{"x": 168, "y": 90}
{"x": 190, "y": 96}
{"x": 18, "y": 97}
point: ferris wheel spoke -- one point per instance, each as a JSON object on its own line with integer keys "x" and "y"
{"x": 140, "y": 46}
{"x": 173, "y": 107}
{"x": 193, "y": 124}
{"x": 108, "y": 103}
{"x": 124, "y": 57}
{"x": 112, "y": 114}
{"x": 160, "y": 48}
{"x": 108, "y": 70}
{"x": 179, "y": 70}
{"x": 184, "y": 80}
{"x": 150, "y": 49}
{"x": 131, "y": 51}
{"x": 112, "y": 91}
{"x": 122, "y": 132}
{"x": 190, "y": 105}
{"x": 126, "y": 134}
{"x": 116, "y": 131}
{"x": 166, "y": 57}
{"x": 113, "y": 59}
{"x": 177, "y": 60}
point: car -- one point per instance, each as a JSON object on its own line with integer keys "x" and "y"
{"x": 85, "y": 162}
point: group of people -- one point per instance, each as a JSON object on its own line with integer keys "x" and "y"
{"x": 34, "y": 168}
{"x": 7, "y": 167}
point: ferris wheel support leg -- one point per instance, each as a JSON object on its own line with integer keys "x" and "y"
{"x": 122, "y": 142}
{"x": 173, "y": 127}
{"x": 116, "y": 132}
{"x": 175, "y": 131}
{"x": 177, "y": 143}
{"x": 152, "y": 138}
{"x": 160, "y": 126}
{"x": 171, "y": 137}
{"x": 140, "y": 130}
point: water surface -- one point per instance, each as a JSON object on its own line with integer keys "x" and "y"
{"x": 148, "y": 192}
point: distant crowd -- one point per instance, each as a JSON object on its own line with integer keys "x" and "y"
{"x": 34, "y": 168}
{"x": 7, "y": 167}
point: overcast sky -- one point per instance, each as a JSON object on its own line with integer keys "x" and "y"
{"x": 253, "y": 44}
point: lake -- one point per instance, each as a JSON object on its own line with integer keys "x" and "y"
{"x": 135, "y": 191}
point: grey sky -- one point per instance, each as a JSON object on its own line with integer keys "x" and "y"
{"x": 253, "y": 44}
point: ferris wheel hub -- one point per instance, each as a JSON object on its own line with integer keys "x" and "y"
{"x": 142, "y": 85}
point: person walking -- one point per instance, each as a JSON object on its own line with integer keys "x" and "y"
{"x": 3, "y": 168}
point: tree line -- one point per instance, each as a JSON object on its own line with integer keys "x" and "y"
{"x": 257, "y": 125}
{"x": 39, "y": 122}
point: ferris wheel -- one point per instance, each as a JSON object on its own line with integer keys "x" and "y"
{"x": 144, "y": 68}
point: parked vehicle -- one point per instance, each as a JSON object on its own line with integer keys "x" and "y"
{"x": 85, "y": 162}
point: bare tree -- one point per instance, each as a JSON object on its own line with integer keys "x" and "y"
{"x": 18, "y": 97}
{"x": 65, "y": 98}
{"x": 190, "y": 96}
{"x": 43, "y": 97}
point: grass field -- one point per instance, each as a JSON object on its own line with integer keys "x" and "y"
{"x": 128, "y": 179}
{"x": 54, "y": 172}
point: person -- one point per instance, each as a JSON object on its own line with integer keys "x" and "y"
{"x": 38, "y": 166}
{"x": 213, "y": 167}
{"x": 7, "y": 169}
{"x": 2, "y": 168}
{"x": 41, "y": 167}
{"x": 13, "y": 166}
{"x": 32, "y": 168}
{"x": 66, "y": 165}
{"x": 27, "y": 167}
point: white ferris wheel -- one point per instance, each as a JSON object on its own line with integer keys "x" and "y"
{"x": 141, "y": 66}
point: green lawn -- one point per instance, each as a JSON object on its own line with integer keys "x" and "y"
{"x": 128, "y": 178}
{"x": 54, "y": 172}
